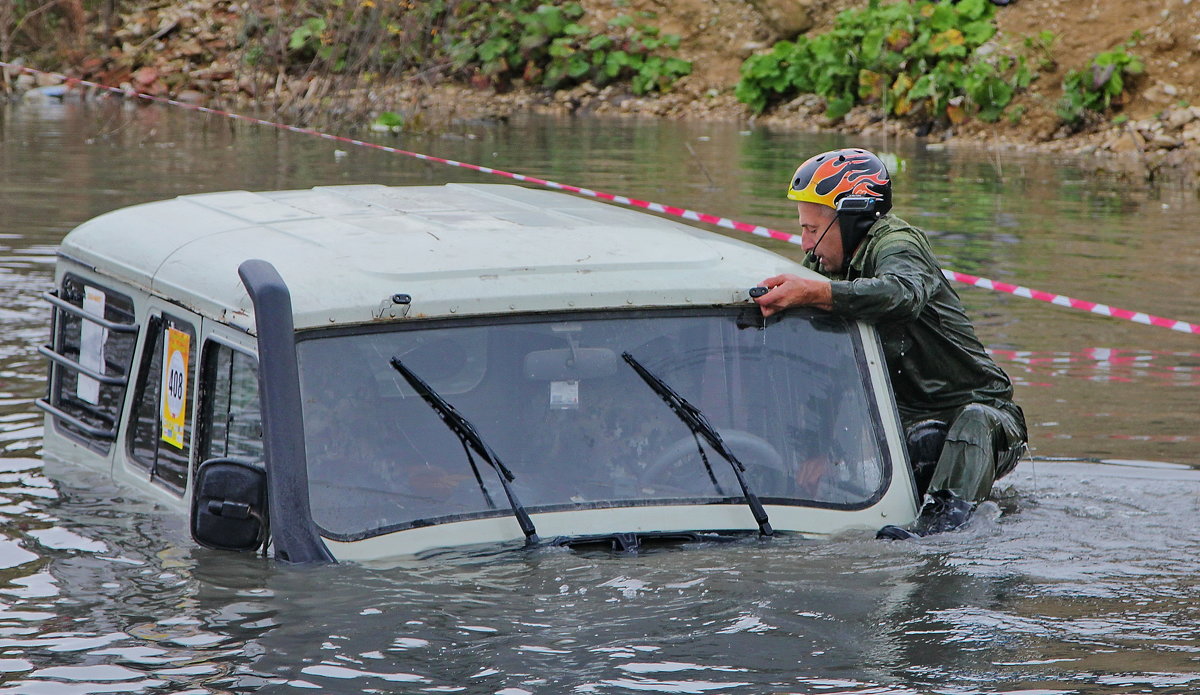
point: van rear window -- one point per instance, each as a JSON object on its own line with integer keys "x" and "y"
{"x": 87, "y": 407}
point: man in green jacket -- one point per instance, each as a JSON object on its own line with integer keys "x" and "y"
{"x": 882, "y": 270}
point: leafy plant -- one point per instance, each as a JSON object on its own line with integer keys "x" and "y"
{"x": 547, "y": 45}
{"x": 1095, "y": 89}
{"x": 308, "y": 40}
{"x": 332, "y": 45}
{"x": 1041, "y": 47}
{"x": 388, "y": 121}
{"x": 912, "y": 58}
{"x": 346, "y": 37}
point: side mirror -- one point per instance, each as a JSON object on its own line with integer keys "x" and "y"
{"x": 229, "y": 505}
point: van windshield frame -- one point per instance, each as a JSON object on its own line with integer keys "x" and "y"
{"x": 792, "y": 396}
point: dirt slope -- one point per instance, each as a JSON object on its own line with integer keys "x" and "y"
{"x": 1166, "y": 36}
{"x": 1169, "y": 43}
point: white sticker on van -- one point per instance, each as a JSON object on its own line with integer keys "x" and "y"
{"x": 564, "y": 395}
{"x": 173, "y": 393}
{"x": 91, "y": 345}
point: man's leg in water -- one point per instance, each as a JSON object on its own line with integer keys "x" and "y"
{"x": 983, "y": 445}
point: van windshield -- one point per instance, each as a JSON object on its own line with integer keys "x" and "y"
{"x": 576, "y": 425}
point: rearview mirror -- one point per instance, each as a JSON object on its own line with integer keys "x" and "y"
{"x": 229, "y": 505}
{"x": 570, "y": 365}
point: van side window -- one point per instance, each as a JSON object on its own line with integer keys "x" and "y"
{"x": 230, "y": 420}
{"x": 160, "y": 439}
{"x": 91, "y": 351}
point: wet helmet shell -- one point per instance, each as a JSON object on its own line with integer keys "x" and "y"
{"x": 828, "y": 177}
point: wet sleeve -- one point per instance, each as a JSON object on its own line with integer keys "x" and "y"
{"x": 903, "y": 283}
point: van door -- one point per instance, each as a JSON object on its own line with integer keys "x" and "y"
{"x": 158, "y": 439}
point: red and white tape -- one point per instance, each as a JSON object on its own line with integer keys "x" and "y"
{"x": 684, "y": 213}
{"x": 1063, "y": 300}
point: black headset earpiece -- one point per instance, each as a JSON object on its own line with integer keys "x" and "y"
{"x": 855, "y": 215}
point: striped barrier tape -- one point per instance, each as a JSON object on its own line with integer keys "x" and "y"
{"x": 683, "y": 213}
{"x": 1063, "y": 300}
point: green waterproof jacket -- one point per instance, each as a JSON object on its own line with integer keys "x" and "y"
{"x": 936, "y": 363}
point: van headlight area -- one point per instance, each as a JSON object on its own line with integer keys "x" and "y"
{"x": 366, "y": 372}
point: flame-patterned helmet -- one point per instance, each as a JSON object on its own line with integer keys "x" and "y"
{"x": 827, "y": 178}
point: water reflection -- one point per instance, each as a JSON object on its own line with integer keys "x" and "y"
{"x": 1084, "y": 584}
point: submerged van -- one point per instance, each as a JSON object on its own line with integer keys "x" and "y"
{"x": 362, "y": 372}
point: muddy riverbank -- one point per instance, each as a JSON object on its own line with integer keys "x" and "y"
{"x": 204, "y": 51}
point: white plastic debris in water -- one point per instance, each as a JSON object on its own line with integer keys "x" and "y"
{"x": 54, "y": 91}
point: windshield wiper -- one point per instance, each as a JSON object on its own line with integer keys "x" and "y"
{"x": 470, "y": 439}
{"x": 699, "y": 425}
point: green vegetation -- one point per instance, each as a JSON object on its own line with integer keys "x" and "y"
{"x": 926, "y": 60}
{"x": 388, "y": 121}
{"x": 306, "y": 44}
{"x": 1040, "y": 47}
{"x": 545, "y": 44}
{"x": 531, "y": 42}
{"x": 1091, "y": 92}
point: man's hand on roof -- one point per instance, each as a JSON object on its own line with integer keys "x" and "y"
{"x": 791, "y": 290}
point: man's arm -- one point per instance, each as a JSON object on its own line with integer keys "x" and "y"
{"x": 903, "y": 283}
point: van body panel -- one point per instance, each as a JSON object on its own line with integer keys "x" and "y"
{"x": 595, "y": 522}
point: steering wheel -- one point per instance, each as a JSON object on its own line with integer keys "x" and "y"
{"x": 765, "y": 468}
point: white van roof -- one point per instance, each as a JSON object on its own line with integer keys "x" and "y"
{"x": 455, "y": 250}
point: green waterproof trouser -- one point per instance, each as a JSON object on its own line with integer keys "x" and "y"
{"x": 982, "y": 446}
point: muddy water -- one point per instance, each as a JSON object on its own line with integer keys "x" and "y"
{"x": 1080, "y": 578}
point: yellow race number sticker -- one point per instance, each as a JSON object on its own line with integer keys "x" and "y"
{"x": 174, "y": 386}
